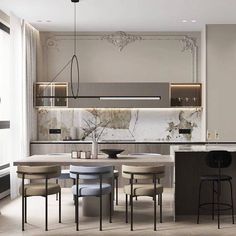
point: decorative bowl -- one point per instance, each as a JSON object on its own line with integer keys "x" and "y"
{"x": 112, "y": 153}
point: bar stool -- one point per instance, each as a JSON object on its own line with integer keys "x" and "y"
{"x": 38, "y": 189}
{"x": 218, "y": 160}
{"x": 142, "y": 189}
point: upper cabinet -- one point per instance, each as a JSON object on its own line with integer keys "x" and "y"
{"x": 51, "y": 94}
{"x": 186, "y": 94}
{"x": 118, "y": 95}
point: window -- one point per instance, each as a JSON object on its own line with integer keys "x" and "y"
{"x": 4, "y": 94}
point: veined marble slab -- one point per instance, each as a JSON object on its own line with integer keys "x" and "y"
{"x": 202, "y": 148}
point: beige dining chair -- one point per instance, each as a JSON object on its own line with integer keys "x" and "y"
{"x": 134, "y": 189}
{"x": 38, "y": 189}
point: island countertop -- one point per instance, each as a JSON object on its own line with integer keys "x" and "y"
{"x": 202, "y": 148}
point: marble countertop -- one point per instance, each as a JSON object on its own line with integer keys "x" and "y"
{"x": 127, "y": 141}
{"x": 202, "y": 148}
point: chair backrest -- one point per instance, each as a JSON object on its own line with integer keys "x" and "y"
{"x": 91, "y": 172}
{"x": 158, "y": 170}
{"x": 218, "y": 159}
{"x": 39, "y": 172}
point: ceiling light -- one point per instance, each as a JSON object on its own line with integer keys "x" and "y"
{"x": 48, "y": 21}
{"x": 193, "y": 21}
{"x": 184, "y": 21}
{"x": 39, "y": 21}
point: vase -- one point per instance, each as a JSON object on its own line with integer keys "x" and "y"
{"x": 94, "y": 149}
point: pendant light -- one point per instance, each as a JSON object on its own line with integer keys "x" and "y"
{"x": 74, "y": 59}
{"x": 73, "y": 62}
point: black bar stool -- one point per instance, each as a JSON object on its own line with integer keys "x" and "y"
{"x": 217, "y": 159}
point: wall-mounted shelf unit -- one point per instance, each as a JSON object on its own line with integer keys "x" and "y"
{"x": 51, "y": 94}
{"x": 185, "y": 94}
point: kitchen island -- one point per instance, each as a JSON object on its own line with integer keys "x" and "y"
{"x": 189, "y": 166}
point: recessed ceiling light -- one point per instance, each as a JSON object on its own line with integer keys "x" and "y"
{"x": 39, "y": 21}
{"x": 48, "y": 21}
{"x": 193, "y": 21}
{"x": 184, "y": 21}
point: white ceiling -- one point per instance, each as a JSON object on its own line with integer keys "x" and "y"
{"x": 126, "y": 15}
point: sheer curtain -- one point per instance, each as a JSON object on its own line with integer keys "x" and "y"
{"x": 4, "y": 94}
{"x": 23, "y": 74}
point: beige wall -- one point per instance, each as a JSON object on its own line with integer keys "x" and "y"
{"x": 156, "y": 58}
{"x": 221, "y": 81}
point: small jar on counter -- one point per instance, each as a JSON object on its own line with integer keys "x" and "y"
{"x": 74, "y": 154}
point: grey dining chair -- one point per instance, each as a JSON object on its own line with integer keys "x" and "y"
{"x": 98, "y": 189}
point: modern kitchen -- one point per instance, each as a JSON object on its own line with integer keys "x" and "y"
{"x": 117, "y": 116}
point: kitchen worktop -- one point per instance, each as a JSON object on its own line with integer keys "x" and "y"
{"x": 203, "y": 148}
{"x": 127, "y": 142}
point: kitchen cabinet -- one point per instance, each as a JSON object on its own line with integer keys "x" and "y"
{"x": 186, "y": 94}
{"x": 51, "y": 94}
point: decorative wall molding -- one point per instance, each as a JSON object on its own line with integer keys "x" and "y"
{"x": 121, "y": 39}
{"x": 188, "y": 43}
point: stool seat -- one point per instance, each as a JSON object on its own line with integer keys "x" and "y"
{"x": 216, "y": 177}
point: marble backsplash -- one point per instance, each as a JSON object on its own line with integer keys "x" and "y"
{"x": 120, "y": 124}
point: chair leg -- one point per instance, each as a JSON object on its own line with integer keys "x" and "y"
{"x": 46, "y": 212}
{"x": 117, "y": 191}
{"x": 110, "y": 213}
{"x": 131, "y": 204}
{"x": 77, "y": 212}
{"x": 25, "y": 209}
{"x": 160, "y": 198}
{"x": 23, "y": 212}
{"x": 56, "y": 193}
{"x": 100, "y": 213}
{"x": 213, "y": 200}
{"x": 126, "y": 208}
{"x": 199, "y": 201}
{"x": 60, "y": 206}
{"x": 218, "y": 203}
{"x": 232, "y": 203}
{"x": 155, "y": 213}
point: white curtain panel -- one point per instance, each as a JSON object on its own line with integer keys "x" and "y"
{"x": 23, "y": 74}
{"x": 30, "y": 39}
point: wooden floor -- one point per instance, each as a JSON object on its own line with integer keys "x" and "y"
{"x": 10, "y": 220}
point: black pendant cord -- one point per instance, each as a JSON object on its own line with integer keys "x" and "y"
{"x": 74, "y": 59}
{"x": 70, "y": 62}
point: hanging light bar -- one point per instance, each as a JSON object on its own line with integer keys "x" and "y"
{"x": 132, "y": 98}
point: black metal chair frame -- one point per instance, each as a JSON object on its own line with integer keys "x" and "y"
{"x": 220, "y": 206}
{"x": 133, "y": 195}
{"x": 24, "y": 198}
{"x": 116, "y": 187}
{"x": 100, "y": 174}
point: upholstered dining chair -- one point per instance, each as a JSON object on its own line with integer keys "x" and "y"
{"x": 143, "y": 189}
{"x": 98, "y": 189}
{"x": 38, "y": 189}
